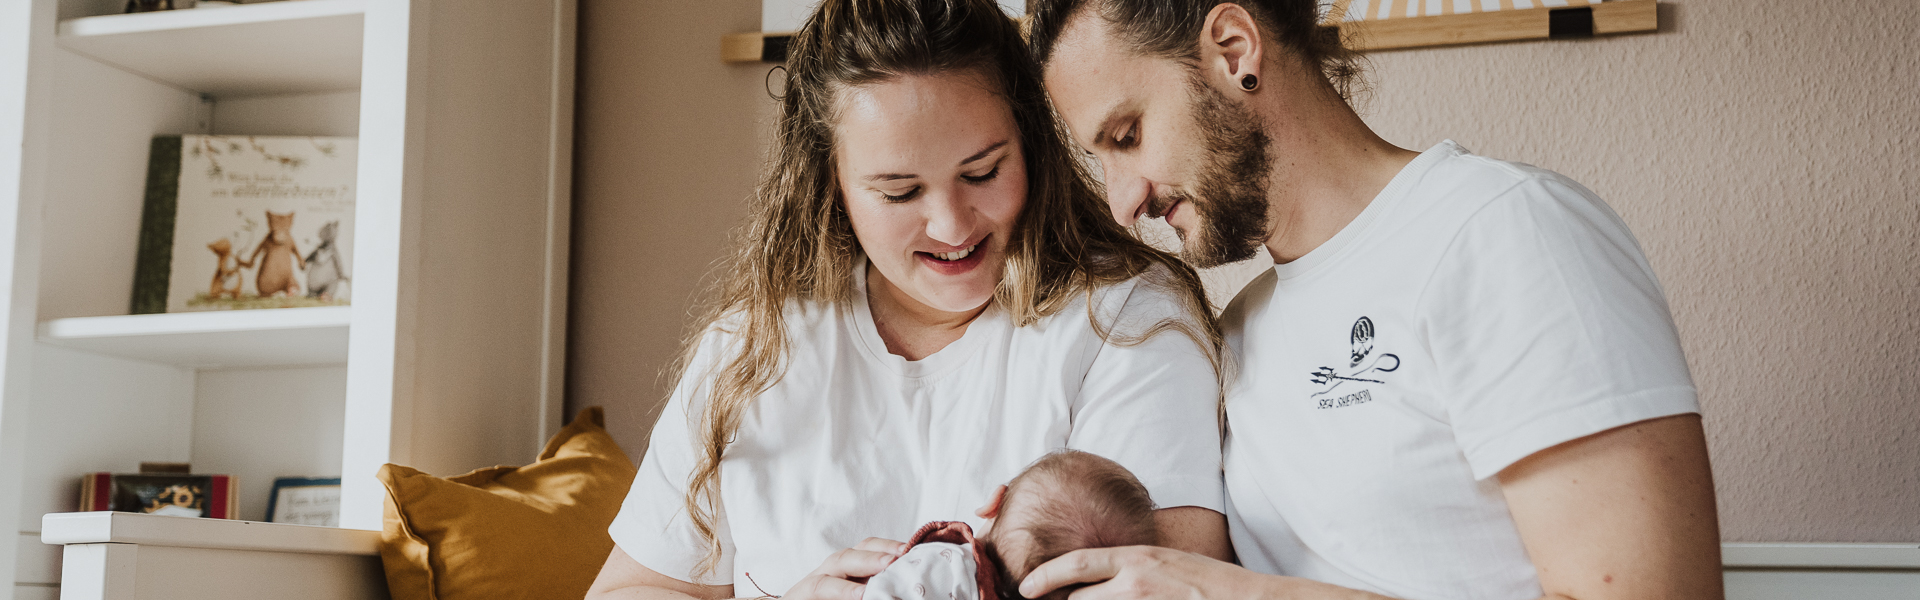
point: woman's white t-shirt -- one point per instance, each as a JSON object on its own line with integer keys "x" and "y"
{"x": 854, "y": 442}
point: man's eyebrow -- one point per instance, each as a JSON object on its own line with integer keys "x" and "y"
{"x": 983, "y": 153}
{"x": 1099, "y": 134}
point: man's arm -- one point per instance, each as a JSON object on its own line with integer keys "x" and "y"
{"x": 1624, "y": 513}
{"x": 1194, "y": 529}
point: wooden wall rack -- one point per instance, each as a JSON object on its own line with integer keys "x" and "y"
{"x": 1605, "y": 18}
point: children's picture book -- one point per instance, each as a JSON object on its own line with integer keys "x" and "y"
{"x": 170, "y": 494}
{"x": 242, "y": 222}
{"x": 305, "y": 501}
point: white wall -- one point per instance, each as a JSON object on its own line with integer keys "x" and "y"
{"x": 93, "y": 413}
{"x": 322, "y": 114}
{"x": 297, "y": 415}
{"x": 106, "y": 119}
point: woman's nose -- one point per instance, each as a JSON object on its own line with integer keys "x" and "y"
{"x": 951, "y": 218}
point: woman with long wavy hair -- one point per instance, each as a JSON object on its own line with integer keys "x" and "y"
{"x": 929, "y": 294}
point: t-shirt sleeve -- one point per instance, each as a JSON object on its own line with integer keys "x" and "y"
{"x": 1154, "y": 407}
{"x": 1547, "y": 325}
{"x": 653, "y": 526}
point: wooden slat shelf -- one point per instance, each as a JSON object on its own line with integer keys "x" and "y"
{"x": 1606, "y": 18}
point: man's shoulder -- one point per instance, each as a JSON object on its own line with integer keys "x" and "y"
{"x": 1466, "y": 194}
{"x": 1245, "y": 305}
{"x": 1465, "y": 182}
{"x": 1468, "y": 183}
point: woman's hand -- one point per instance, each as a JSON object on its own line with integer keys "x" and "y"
{"x": 835, "y": 579}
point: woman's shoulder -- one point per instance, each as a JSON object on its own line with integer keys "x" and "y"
{"x": 1156, "y": 292}
{"x": 1156, "y": 295}
{"x": 795, "y": 316}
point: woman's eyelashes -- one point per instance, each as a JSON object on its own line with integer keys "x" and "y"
{"x": 911, "y": 193}
{"x": 914, "y": 192}
{"x": 983, "y": 177}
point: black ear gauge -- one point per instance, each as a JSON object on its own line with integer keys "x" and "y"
{"x": 770, "y": 83}
{"x": 1249, "y": 82}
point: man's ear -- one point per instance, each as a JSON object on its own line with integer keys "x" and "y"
{"x": 1231, "y": 49}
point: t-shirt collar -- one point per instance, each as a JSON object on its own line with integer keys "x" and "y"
{"x": 932, "y": 365}
{"x": 1397, "y": 190}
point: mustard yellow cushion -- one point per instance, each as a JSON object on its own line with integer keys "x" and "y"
{"x": 538, "y": 531}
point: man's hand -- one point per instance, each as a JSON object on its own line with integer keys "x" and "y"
{"x": 1138, "y": 572}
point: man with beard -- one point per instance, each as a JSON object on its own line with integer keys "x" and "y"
{"x": 1459, "y": 380}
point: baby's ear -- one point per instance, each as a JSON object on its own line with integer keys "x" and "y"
{"x": 992, "y": 509}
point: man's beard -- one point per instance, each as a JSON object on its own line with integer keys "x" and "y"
{"x": 1231, "y": 200}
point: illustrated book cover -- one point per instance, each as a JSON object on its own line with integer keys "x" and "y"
{"x": 170, "y": 494}
{"x": 243, "y": 222}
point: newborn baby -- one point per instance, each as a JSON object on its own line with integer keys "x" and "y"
{"x": 1063, "y": 502}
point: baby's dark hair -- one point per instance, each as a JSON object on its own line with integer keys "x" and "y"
{"x": 1063, "y": 502}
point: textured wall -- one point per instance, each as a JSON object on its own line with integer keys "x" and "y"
{"x": 1764, "y": 153}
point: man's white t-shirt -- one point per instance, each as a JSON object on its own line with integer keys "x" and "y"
{"x": 1476, "y": 312}
{"x": 854, "y": 442}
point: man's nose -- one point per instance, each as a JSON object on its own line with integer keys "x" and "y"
{"x": 1125, "y": 194}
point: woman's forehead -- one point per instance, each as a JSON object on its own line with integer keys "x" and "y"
{"x": 932, "y": 119}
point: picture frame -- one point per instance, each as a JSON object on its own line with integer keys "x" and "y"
{"x": 166, "y": 494}
{"x": 305, "y": 501}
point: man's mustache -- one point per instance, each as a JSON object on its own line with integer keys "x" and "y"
{"x": 1157, "y": 206}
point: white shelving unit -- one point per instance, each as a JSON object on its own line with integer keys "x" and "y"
{"x": 274, "y": 48}
{"x": 451, "y": 357}
{"x": 212, "y": 340}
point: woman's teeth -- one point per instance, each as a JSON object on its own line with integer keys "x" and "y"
{"x": 953, "y": 256}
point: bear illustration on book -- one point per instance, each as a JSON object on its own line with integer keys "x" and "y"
{"x": 269, "y": 274}
{"x": 275, "y": 277}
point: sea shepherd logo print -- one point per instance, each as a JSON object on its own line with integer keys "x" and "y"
{"x": 1332, "y": 380}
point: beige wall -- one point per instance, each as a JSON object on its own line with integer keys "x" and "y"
{"x": 667, "y": 144}
{"x": 1764, "y": 153}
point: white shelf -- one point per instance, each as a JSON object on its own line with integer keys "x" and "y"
{"x": 195, "y": 532}
{"x": 240, "y": 338}
{"x": 288, "y": 47}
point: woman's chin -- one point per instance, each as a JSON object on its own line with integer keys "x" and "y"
{"x": 960, "y": 293}
{"x": 958, "y": 301}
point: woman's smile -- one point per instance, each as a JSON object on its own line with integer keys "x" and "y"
{"x": 954, "y": 262}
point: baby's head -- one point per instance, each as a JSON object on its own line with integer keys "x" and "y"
{"x": 1066, "y": 501}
